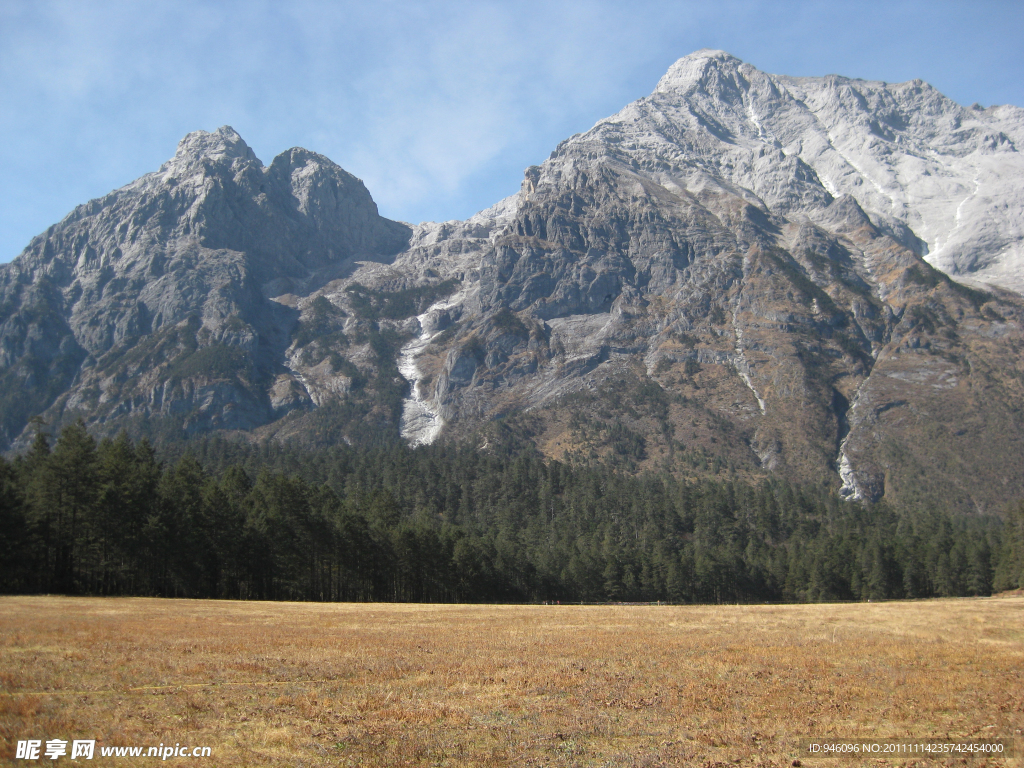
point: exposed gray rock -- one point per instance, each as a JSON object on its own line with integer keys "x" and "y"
{"x": 916, "y": 161}
{"x": 181, "y": 263}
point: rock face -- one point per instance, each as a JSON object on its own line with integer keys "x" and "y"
{"x": 740, "y": 273}
{"x": 940, "y": 178}
{"x": 155, "y": 300}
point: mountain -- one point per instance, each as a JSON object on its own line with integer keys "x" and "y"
{"x": 741, "y": 273}
{"x": 941, "y": 179}
{"x": 153, "y": 301}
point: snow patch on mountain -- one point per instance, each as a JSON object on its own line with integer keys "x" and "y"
{"x": 908, "y": 155}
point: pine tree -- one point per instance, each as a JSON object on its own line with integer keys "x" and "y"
{"x": 14, "y": 542}
{"x": 1009, "y": 573}
{"x": 74, "y": 487}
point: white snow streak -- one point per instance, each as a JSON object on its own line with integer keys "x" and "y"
{"x": 302, "y": 380}
{"x": 957, "y": 223}
{"x": 753, "y": 118}
{"x": 741, "y": 364}
{"x": 881, "y": 190}
{"x": 421, "y": 421}
{"x": 742, "y": 368}
{"x": 850, "y": 491}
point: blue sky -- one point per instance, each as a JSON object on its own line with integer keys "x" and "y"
{"x": 437, "y": 106}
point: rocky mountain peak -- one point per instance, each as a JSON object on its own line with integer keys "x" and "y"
{"x": 103, "y": 310}
{"x": 307, "y": 174}
{"x": 939, "y": 177}
{"x": 223, "y": 147}
{"x": 697, "y": 71}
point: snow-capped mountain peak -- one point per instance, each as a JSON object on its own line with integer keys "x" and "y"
{"x": 944, "y": 178}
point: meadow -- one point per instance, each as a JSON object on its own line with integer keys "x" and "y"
{"x": 308, "y": 684}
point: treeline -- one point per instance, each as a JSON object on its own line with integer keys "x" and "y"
{"x": 449, "y": 524}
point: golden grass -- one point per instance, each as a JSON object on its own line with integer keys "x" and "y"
{"x": 304, "y": 684}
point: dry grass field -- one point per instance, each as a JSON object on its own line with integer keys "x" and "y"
{"x": 387, "y": 685}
